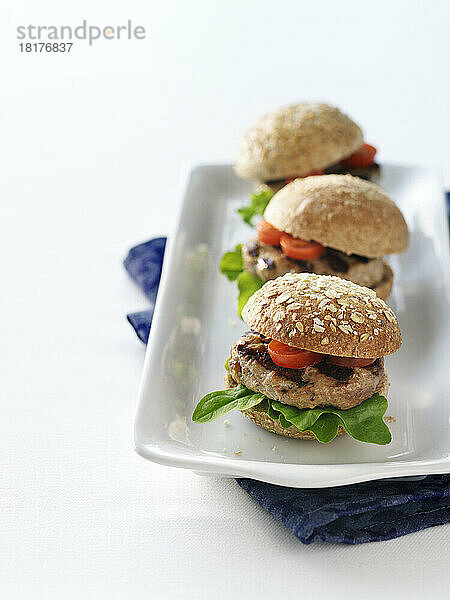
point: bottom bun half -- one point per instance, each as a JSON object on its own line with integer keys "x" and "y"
{"x": 260, "y": 417}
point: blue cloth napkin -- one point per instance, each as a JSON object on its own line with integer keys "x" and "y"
{"x": 144, "y": 264}
{"x": 351, "y": 514}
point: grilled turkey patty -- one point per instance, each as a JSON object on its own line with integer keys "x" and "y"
{"x": 323, "y": 384}
{"x": 371, "y": 173}
{"x": 269, "y": 262}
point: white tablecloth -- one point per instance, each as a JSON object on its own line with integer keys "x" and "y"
{"x": 91, "y": 149}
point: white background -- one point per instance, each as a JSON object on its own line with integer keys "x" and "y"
{"x": 91, "y": 148}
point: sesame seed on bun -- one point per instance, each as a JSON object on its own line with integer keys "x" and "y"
{"x": 342, "y": 212}
{"x": 324, "y": 314}
{"x": 296, "y": 140}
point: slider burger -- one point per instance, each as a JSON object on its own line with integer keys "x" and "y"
{"x": 331, "y": 225}
{"x": 304, "y": 139}
{"x": 312, "y": 365}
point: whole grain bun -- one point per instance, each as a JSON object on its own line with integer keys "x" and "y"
{"x": 296, "y": 140}
{"x": 258, "y": 415}
{"x": 324, "y": 314}
{"x": 341, "y": 212}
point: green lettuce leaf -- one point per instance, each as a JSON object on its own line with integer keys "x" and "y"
{"x": 325, "y": 428}
{"x": 248, "y": 284}
{"x": 216, "y": 404}
{"x": 363, "y": 422}
{"x": 231, "y": 263}
{"x": 257, "y": 206}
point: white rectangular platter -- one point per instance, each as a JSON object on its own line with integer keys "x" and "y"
{"x": 195, "y": 323}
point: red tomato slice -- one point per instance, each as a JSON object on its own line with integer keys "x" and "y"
{"x": 361, "y": 158}
{"x": 268, "y": 234}
{"x": 299, "y": 249}
{"x": 287, "y": 356}
{"x": 351, "y": 363}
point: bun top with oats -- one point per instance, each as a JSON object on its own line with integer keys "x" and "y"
{"x": 302, "y": 139}
{"x": 317, "y": 342}
{"x": 340, "y": 212}
{"x": 324, "y": 314}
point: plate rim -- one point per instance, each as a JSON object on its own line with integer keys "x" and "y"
{"x": 285, "y": 474}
